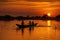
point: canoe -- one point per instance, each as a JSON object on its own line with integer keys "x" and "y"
{"x": 25, "y": 26}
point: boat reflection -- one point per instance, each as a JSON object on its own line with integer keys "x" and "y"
{"x": 22, "y": 30}
{"x": 31, "y": 26}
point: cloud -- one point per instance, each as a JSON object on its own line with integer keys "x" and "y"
{"x": 44, "y": 0}
{"x": 31, "y": 0}
{"x": 3, "y": 0}
{"x": 7, "y": 0}
{"x": 29, "y": 7}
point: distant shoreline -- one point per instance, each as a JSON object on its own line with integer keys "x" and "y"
{"x": 44, "y": 17}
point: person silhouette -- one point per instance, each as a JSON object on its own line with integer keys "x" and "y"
{"x": 30, "y": 23}
{"x": 22, "y": 23}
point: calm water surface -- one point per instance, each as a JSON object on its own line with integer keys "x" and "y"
{"x": 8, "y": 31}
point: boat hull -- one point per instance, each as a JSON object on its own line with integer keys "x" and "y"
{"x": 25, "y": 26}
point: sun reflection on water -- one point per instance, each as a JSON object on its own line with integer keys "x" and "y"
{"x": 49, "y": 23}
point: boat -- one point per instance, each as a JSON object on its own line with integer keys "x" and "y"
{"x": 26, "y": 26}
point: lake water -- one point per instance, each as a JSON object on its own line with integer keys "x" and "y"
{"x": 8, "y": 30}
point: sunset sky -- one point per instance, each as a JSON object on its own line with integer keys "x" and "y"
{"x": 29, "y": 7}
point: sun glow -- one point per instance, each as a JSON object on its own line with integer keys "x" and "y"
{"x": 49, "y": 14}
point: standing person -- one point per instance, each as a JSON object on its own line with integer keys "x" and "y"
{"x": 22, "y": 23}
{"x": 30, "y": 23}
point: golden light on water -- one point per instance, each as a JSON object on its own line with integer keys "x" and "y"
{"x": 49, "y": 23}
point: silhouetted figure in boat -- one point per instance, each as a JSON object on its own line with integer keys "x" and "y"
{"x": 22, "y": 23}
{"x": 32, "y": 23}
{"x": 31, "y": 26}
{"x": 22, "y": 31}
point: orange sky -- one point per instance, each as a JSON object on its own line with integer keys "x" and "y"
{"x": 29, "y": 8}
{"x": 32, "y": 0}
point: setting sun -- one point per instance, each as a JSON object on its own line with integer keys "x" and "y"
{"x": 49, "y": 14}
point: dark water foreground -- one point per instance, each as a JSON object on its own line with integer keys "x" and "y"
{"x": 8, "y": 31}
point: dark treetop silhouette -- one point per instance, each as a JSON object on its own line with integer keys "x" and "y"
{"x": 44, "y": 17}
